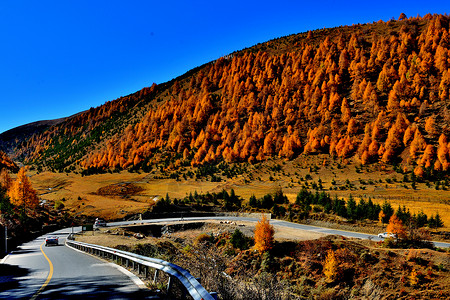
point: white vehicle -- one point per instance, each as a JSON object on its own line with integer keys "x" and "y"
{"x": 100, "y": 223}
{"x": 386, "y": 235}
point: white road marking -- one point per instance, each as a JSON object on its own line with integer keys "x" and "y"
{"x": 133, "y": 277}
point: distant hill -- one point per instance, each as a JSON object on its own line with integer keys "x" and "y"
{"x": 11, "y": 138}
{"x": 375, "y": 92}
{"x": 7, "y": 163}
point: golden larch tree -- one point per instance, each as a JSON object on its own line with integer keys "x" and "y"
{"x": 5, "y": 179}
{"x": 442, "y": 152}
{"x": 396, "y": 226}
{"x": 430, "y": 125}
{"x": 381, "y": 217}
{"x": 413, "y": 278}
{"x": 21, "y": 192}
{"x": 419, "y": 172}
{"x": 264, "y": 233}
{"x": 427, "y": 157}
{"x": 330, "y": 266}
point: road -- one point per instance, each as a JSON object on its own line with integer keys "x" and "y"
{"x": 63, "y": 273}
{"x": 349, "y": 234}
{"x": 59, "y": 272}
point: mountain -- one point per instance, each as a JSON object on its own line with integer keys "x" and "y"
{"x": 7, "y": 163}
{"x": 12, "y": 138}
{"x": 374, "y": 92}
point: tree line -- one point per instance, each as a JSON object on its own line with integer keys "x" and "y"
{"x": 368, "y": 91}
{"x": 364, "y": 209}
{"x": 305, "y": 203}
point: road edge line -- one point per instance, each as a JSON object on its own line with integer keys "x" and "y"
{"x": 4, "y": 259}
{"x": 135, "y": 279}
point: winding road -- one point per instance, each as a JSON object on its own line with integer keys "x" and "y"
{"x": 349, "y": 234}
{"x": 34, "y": 271}
{"x": 59, "y": 272}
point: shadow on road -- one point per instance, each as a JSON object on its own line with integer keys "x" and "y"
{"x": 9, "y": 276}
{"x": 23, "y": 251}
{"x": 101, "y": 287}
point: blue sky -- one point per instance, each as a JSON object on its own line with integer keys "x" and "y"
{"x": 62, "y": 57}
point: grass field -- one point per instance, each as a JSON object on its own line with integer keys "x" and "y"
{"x": 80, "y": 194}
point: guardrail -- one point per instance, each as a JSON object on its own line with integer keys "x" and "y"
{"x": 142, "y": 263}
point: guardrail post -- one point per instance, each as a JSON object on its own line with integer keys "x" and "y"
{"x": 139, "y": 269}
{"x": 145, "y": 271}
{"x": 155, "y": 277}
{"x": 169, "y": 284}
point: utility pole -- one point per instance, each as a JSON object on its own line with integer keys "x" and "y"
{"x": 6, "y": 240}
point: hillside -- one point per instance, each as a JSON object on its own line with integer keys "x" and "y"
{"x": 13, "y": 137}
{"x": 7, "y": 163}
{"x": 374, "y": 92}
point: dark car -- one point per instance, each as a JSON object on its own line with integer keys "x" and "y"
{"x": 51, "y": 240}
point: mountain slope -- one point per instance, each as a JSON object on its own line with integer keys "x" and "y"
{"x": 11, "y": 138}
{"x": 376, "y": 92}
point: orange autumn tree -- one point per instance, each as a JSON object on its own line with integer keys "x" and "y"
{"x": 5, "y": 179}
{"x": 413, "y": 278}
{"x": 330, "y": 266}
{"x": 395, "y": 226}
{"x": 21, "y": 192}
{"x": 264, "y": 233}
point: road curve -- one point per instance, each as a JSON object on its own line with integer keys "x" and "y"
{"x": 69, "y": 274}
{"x": 63, "y": 273}
{"x": 274, "y": 222}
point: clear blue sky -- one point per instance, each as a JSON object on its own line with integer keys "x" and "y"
{"x": 62, "y": 57}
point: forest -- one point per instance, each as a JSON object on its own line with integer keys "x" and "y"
{"x": 376, "y": 92}
{"x": 367, "y": 98}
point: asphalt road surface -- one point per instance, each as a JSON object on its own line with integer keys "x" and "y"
{"x": 59, "y": 272}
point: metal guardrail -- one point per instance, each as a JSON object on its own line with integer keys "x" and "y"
{"x": 142, "y": 263}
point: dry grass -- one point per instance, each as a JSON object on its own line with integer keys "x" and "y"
{"x": 80, "y": 193}
{"x": 109, "y": 240}
{"x": 258, "y": 180}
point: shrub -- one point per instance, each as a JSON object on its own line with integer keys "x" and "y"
{"x": 59, "y": 204}
{"x": 240, "y": 241}
{"x": 413, "y": 278}
{"x": 203, "y": 238}
{"x": 268, "y": 262}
